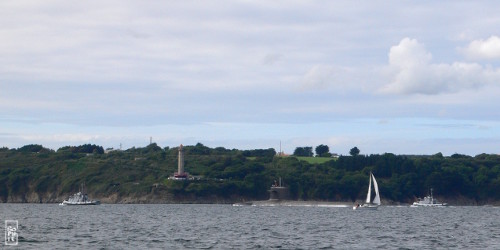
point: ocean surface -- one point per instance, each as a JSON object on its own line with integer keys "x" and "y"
{"x": 50, "y": 226}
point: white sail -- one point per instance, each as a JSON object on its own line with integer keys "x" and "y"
{"x": 368, "y": 196}
{"x": 377, "y": 196}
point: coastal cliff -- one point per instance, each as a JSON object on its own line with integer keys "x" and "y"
{"x": 164, "y": 197}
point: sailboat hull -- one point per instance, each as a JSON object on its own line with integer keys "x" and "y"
{"x": 365, "y": 207}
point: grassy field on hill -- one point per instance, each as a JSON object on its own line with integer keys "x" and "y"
{"x": 315, "y": 160}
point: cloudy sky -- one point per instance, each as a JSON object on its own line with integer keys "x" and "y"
{"x": 405, "y": 77}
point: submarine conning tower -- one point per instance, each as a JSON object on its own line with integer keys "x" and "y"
{"x": 278, "y": 191}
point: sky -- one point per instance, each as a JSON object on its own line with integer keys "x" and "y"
{"x": 402, "y": 77}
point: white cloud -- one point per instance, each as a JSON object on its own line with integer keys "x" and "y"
{"x": 409, "y": 54}
{"x": 412, "y": 72}
{"x": 484, "y": 49}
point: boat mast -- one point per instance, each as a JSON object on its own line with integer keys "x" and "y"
{"x": 432, "y": 197}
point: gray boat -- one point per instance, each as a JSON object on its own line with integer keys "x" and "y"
{"x": 80, "y": 198}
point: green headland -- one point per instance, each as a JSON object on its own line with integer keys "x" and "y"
{"x": 218, "y": 175}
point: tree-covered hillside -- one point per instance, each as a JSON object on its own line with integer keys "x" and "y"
{"x": 35, "y": 174}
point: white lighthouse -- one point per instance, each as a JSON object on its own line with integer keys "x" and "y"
{"x": 180, "y": 174}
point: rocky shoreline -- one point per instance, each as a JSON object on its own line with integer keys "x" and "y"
{"x": 166, "y": 198}
{"x": 120, "y": 199}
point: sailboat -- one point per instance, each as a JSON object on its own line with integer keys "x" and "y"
{"x": 369, "y": 203}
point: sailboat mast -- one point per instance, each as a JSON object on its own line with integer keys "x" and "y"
{"x": 432, "y": 197}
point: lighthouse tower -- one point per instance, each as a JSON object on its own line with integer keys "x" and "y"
{"x": 180, "y": 174}
{"x": 180, "y": 169}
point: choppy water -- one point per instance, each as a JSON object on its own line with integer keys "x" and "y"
{"x": 49, "y": 226}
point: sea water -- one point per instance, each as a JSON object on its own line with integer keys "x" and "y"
{"x": 50, "y": 226}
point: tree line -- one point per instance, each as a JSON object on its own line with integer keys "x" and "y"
{"x": 321, "y": 151}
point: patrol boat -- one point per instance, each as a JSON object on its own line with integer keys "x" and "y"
{"x": 428, "y": 201}
{"x": 80, "y": 198}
